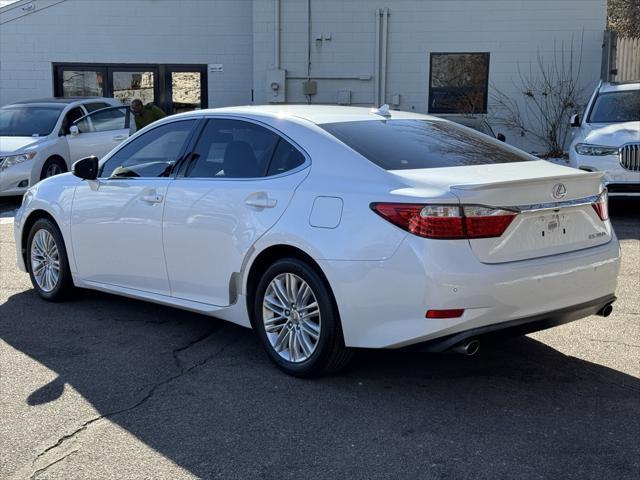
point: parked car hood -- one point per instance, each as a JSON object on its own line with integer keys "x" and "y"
{"x": 612, "y": 134}
{"x": 10, "y": 145}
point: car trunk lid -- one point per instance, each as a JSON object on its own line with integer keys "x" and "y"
{"x": 553, "y": 206}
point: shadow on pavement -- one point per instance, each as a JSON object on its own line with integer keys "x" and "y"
{"x": 203, "y": 394}
{"x": 625, "y": 216}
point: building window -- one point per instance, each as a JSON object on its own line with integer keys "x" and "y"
{"x": 82, "y": 83}
{"x": 174, "y": 88}
{"x": 459, "y": 83}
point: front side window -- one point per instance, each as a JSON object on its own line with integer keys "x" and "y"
{"x": 69, "y": 119}
{"x": 616, "y": 107}
{"x": 28, "y": 121}
{"x": 459, "y": 83}
{"x": 105, "y": 120}
{"x": 232, "y": 149}
{"x": 152, "y": 154}
{"x": 412, "y": 144}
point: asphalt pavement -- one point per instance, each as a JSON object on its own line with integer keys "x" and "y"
{"x": 104, "y": 387}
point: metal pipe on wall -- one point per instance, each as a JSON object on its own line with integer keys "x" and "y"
{"x": 383, "y": 74}
{"x": 376, "y": 70}
{"x": 308, "y": 38}
{"x": 276, "y": 59}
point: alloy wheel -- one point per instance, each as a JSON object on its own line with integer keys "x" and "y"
{"x": 45, "y": 260}
{"x": 291, "y": 317}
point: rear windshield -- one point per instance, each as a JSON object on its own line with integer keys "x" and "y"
{"x": 409, "y": 144}
{"x": 616, "y": 107}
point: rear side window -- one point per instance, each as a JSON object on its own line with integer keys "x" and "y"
{"x": 285, "y": 158}
{"x": 232, "y": 149}
{"x": 105, "y": 120}
{"x": 92, "y": 107}
{"x": 412, "y": 144}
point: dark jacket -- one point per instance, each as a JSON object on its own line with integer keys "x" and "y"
{"x": 149, "y": 114}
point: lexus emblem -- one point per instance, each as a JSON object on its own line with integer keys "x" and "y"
{"x": 559, "y": 190}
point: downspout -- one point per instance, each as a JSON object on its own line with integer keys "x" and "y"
{"x": 309, "y": 45}
{"x": 276, "y": 59}
{"x": 376, "y": 70}
{"x": 383, "y": 75}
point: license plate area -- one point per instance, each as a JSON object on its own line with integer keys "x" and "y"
{"x": 552, "y": 228}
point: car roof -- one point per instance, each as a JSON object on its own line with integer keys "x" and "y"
{"x": 318, "y": 114}
{"x": 61, "y": 100}
{"x": 619, "y": 87}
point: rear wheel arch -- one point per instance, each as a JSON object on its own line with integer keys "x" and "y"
{"x": 265, "y": 259}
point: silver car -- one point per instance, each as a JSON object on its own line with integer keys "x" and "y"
{"x": 41, "y": 138}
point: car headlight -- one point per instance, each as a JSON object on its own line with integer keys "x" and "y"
{"x": 595, "y": 150}
{"x": 15, "y": 159}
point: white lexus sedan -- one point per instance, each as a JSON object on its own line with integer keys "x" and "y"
{"x": 328, "y": 228}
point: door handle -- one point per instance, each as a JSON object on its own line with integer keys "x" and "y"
{"x": 119, "y": 138}
{"x": 152, "y": 198}
{"x": 260, "y": 200}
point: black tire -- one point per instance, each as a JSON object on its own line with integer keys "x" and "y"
{"x": 52, "y": 164}
{"x": 330, "y": 354}
{"x": 64, "y": 287}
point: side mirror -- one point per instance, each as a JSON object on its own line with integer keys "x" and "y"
{"x": 575, "y": 120}
{"x": 501, "y": 137}
{"x": 74, "y": 131}
{"x": 86, "y": 168}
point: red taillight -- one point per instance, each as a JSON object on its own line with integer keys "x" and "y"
{"x": 486, "y": 222}
{"x": 446, "y": 221}
{"x": 452, "y": 313}
{"x": 601, "y": 206}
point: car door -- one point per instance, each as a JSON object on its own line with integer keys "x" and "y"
{"x": 98, "y": 132}
{"x": 116, "y": 222}
{"x": 235, "y": 185}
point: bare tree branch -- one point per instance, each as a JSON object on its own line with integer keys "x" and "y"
{"x": 549, "y": 93}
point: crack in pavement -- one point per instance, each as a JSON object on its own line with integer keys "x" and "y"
{"x": 35, "y": 474}
{"x": 201, "y": 338}
{"x": 612, "y": 341}
{"x": 150, "y": 393}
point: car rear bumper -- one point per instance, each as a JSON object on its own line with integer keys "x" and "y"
{"x": 383, "y": 304}
{"x": 517, "y": 327}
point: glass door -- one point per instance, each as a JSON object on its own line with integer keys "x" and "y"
{"x": 186, "y": 89}
{"x": 131, "y": 83}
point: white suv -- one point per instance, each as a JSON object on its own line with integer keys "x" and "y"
{"x": 607, "y": 138}
{"x": 41, "y": 138}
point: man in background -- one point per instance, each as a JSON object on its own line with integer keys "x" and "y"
{"x": 145, "y": 114}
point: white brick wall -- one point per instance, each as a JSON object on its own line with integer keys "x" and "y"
{"x": 513, "y": 31}
{"x": 240, "y": 35}
{"x": 128, "y": 31}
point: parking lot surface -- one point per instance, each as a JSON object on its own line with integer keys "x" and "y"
{"x": 105, "y": 387}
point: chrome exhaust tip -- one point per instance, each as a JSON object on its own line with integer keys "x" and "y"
{"x": 606, "y": 310}
{"x": 468, "y": 347}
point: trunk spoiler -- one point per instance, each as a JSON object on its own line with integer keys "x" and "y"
{"x": 528, "y": 181}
